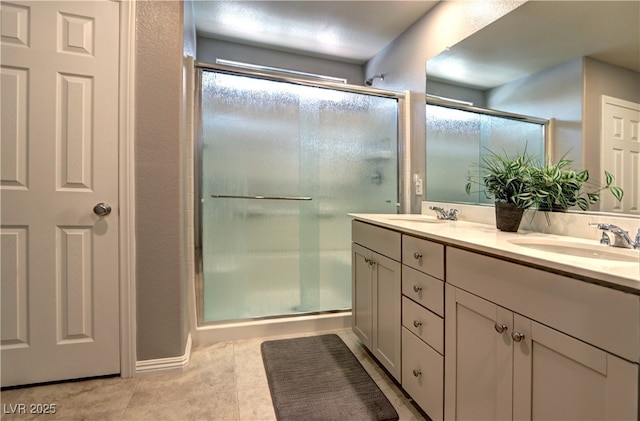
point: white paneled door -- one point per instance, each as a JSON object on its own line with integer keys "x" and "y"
{"x": 59, "y": 157}
{"x": 621, "y": 152}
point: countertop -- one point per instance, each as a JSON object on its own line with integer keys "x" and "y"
{"x": 486, "y": 239}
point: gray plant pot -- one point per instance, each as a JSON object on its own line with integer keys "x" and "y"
{"x": 508, "y": 217}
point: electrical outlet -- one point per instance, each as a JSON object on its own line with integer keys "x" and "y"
{"x": 418, "y": 186}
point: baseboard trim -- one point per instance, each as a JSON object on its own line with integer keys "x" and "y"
{"x": 165, "y": 365}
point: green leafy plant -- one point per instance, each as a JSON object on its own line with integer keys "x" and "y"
{"x": 523, "y": 181}
{"x": 556, "y": 187}
{"x": 505, "y": 178}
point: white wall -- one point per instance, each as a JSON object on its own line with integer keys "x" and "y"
{"x": 209, "y": 49}
{"x": 551, "y": 93}
{"x": 403, "y": 61}
{"x": 160, "y": 273}
{"x": 603, "y": 79}
{"x": 476, "y": 97}
{"x": 571, "y": 93}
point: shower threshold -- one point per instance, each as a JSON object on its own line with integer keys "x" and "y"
{"x": 295, "y": 324}
{"x": 294, "y": 313}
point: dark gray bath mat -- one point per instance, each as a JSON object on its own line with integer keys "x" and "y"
{"x": 318, "y": 378}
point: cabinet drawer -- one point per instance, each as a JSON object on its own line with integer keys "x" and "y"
{"x": 424, "y": 324}
{"x": 381, "y": 240}
{"x": 426, "y": 384}
{"x": 425, "y": 256}
{"x": 604, "y": 317}
{"x": 423, "y": 289}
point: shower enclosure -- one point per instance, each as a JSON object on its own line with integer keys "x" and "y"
{"x": 280, "y": 163}
{"x": 458, "y": 137}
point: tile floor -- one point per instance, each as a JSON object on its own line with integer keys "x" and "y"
{"x": 224, "y": 381}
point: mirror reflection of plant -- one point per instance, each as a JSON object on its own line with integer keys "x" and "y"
{"x": 505, "y": 178}
{"x": 554, "y": 186}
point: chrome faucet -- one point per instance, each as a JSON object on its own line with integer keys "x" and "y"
{"x": 620, "y": 237}
{"x": 451, "y": 215}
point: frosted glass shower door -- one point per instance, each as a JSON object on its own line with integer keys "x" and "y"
{"x": 282, "y": 165}
{"x": 456, "y": 141}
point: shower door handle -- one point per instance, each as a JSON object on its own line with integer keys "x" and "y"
{"x": 233, "y": 196}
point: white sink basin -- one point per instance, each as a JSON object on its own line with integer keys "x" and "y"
{"x": 570, "y": 248}
{"x": 416, "y": 218}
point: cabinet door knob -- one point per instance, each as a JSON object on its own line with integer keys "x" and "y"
{"x": 417, "y": 255}
{"x": 417, "y": 323}
{"x": 417, "y": 372}
{"x": 499, "y": 327}
{"x": 517, "y": 336}
{"x": 417, "y": 288}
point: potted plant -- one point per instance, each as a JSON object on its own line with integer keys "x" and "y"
{"x": 554, "y": 187}
{"x": 508, "y": 180}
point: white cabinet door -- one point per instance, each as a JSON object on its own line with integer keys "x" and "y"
{"x": 362, "y": 294}
{"x": 478, "y": 359}
{"x": 376, "y": 300}
{"x": 561, "y": 378}
{"x": 387, "y": 323}
{"x": 60, "y": 308}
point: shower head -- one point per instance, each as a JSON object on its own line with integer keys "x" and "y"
{"x": 369, "y": 81}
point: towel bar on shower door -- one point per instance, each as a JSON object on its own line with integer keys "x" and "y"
{"x": 233, "y": 196}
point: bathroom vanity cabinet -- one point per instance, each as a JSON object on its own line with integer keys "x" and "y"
{"x": 376, "y": 289}
{"x": 478, "y": 335}
{"x": 398, "y": 308}
{"x": 423, "y": 323}
{"x": 523, "y": 343}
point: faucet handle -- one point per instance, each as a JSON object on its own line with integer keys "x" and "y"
{"x": 453, "y": 214}
{"x": 638, "y": 237}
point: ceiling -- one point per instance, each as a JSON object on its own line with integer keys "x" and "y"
{"x": 348, "y": 31}
{"x": 539, "y": 35}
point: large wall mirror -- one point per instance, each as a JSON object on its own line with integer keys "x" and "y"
{"x": 560, "y": 62}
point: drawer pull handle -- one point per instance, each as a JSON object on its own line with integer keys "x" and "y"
{"x": 499, "y": 327}
{"x": 417, "y": 255}
{"x": 369, "y": 261}
{"x": 416, "y": 288}
{"x": 517, "y": 336}
{"x": 417, "y": 323}
{"x": 416, "y": 372}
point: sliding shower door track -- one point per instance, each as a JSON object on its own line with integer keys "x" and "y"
{"x": 273, "y": 317}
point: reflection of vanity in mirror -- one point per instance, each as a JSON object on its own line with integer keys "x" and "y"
{"x": 574, "y": 65}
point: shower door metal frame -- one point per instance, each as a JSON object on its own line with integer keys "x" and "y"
{"x": 201, "y": 67}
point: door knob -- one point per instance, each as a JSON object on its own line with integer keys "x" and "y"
{"x": 102, "y": 209}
